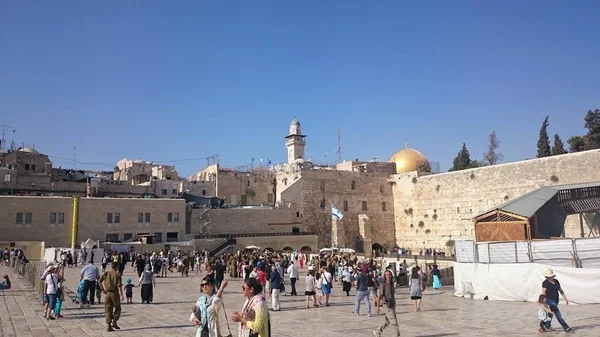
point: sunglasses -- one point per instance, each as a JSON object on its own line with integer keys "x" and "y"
{"x": 204, "y": 284}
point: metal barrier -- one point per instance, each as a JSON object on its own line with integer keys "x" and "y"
{"x": 32, "y": 272}
{"x": 578, "y": 253}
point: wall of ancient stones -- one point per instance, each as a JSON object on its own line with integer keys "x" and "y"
{"x": 430, "y": 210}
{"x": 362, "y": 193}
{"x": 246, "y": 220}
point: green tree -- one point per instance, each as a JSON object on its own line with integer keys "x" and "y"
{"x": 592, "y": 123}
{"x": 576, "y": 144}
{"x": 475, "y": 164}
{"x": 462, "y": 160}
{"x": 492, "y": 157}
{"x": 543, "y": 144}
{"x": 558, "y": 147}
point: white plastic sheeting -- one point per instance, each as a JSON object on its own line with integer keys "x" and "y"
{"x": 580, "y": 252}
{"x": 53, "y": 254}
{"x": 523, "y": 281}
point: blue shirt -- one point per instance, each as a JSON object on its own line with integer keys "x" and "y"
{"x": 2, "y": 285}
{"x": 90, "y": 272}
{"x": 275, "y": 280}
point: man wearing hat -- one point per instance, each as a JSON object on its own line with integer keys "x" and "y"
{"x": 551, "y": 287}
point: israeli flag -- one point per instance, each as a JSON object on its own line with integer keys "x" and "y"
{"x": 336, "y": 213}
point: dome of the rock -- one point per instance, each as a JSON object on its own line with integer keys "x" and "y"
{"x": 409, "y": 160}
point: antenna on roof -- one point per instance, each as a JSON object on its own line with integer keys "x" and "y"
{"x": 339, "y": 150}
{"x": 3, "y": 141}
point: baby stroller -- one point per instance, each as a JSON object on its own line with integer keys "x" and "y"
{"x": 79, "y": 299}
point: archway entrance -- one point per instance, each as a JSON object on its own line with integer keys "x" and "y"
{"x": 377, "y": 248}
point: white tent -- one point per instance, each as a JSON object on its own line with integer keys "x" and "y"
{"x": 327, "y": 249}
{"x": 89, "y": 244}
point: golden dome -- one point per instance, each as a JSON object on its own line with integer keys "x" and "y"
{"x": 409, "y": 160}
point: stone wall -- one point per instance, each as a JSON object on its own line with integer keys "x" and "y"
{"x": 39, "y": 227}
{"x": 430, "y": 210}
{"x": 55, "y": 229}
{"x": 320, "y": 189}
{"x": 39, "y": 185}
{"x": 248, "y": 220}
{"x": 93, "y": 222}
{"x": 199, "y": 188}
{"x": 237, "y": 188}
{"x": 256, "y": 189}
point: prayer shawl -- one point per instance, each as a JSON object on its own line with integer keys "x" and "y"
{"x": 249, "y": 312}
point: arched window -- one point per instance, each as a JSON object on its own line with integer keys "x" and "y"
{"x": 322, "y": 186}
{"x": 381, "y": 188}
{"x": 323, "y": 203}
{"x": 353, "y": 185}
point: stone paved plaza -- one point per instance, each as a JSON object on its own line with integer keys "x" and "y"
{"x": 442, "y": 314}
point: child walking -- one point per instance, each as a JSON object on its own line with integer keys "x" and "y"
{"x": 544, "y": 314}
{"x": 310, "y": 289}
{"x": 129, "y": 291}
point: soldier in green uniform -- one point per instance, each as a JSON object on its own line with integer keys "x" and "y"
{"x": 112, "y": 286}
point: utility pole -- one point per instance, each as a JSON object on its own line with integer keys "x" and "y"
{"x": 339, "y": 150}
{"x": 74, "y": 157}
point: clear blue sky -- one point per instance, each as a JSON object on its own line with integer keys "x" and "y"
{"x": 164, "y": 80}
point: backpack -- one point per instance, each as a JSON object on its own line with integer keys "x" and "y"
{"x": 370, "y": 281}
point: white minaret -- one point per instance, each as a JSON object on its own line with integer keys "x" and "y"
{"x": 295, "y": 142}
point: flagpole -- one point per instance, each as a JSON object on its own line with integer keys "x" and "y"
{"x": 337, "y": 224}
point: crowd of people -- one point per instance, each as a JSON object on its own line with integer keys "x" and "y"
{"x": 265, "y": 276}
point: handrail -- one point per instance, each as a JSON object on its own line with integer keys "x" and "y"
{"x": 249, "y": 235}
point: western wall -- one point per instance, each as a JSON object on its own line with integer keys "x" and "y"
{"x": 365, "y": 199}
{"x": 430, "y": 210}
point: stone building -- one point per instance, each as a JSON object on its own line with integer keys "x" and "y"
{"x": 50, "y": 219}
{"x": 407, "y": 206}
{"x": 367, "y": 166}
{"x": 365, "y": 199}
{"x": 27, "y": 161}
{"x": 295, "y": 142}
{"x": 25, "y": 171}
{"x": 237, "y": 188}
{"x": 384, "y": 204}
{"x": 136, "y": 172}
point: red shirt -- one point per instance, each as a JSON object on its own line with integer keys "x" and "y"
{"x": 262, "y": 277}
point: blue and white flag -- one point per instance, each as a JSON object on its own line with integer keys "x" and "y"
{"x": 269, "y": 161}
{"x": 336, "y": 213}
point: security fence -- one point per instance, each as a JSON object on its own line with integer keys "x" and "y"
{"x": 32, "y": 272}
{"x": 578, "y": 253}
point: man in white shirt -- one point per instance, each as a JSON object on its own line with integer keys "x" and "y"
{"x": 293, "y": 271}
{"x": 89, "y": 275}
